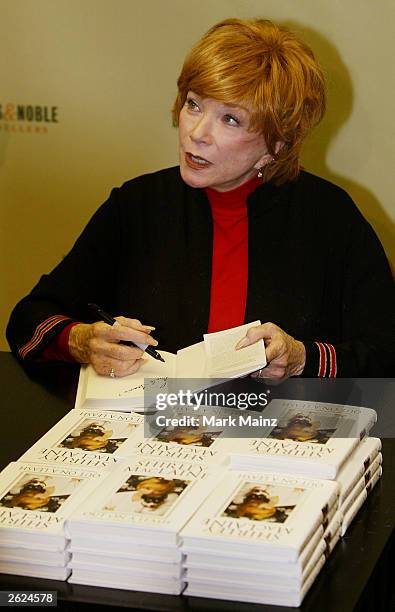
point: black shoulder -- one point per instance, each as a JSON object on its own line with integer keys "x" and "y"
{"x": 168, "y": 178}
{"x": 321, "y": 187}
{"x": 326, "y": 198}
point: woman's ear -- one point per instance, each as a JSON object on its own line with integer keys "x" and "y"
{"x": 267, "y": 158}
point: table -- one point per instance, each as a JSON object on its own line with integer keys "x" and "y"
{"x": 357, "y": 576}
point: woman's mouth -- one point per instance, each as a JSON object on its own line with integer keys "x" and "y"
{"x": 196, "y": 162}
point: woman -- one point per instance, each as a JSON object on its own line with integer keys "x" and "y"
{"x": 93, "y": 437}
{"x": 33, "y": 495}
{"x": 256, "y": 505}
{"x": 236, "y": 233}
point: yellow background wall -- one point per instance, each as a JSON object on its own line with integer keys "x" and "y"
{"x": 110, "y": 68}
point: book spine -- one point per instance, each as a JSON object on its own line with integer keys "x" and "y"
{"x": 353, "y": 511}
{"x": 360, "y": 485}
{"x": 366, "y": 462}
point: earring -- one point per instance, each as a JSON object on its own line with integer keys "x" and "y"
{"x": 260, "y": 170}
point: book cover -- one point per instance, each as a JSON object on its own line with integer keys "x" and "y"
{"x": 183, "y": 435}
{"x": 143, "y": 497}
{"x": 247, "y": 511}
{"x": 36, "y": 499}
{"x": 311, "y": 438}
{"x": 90, "y": 438}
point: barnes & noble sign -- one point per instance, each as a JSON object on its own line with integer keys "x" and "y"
{"x": 27, "y": 118}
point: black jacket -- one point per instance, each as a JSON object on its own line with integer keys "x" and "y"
{"x": 316, "y": 269}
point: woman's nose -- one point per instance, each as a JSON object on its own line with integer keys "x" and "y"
{"x": 201, "y": 131}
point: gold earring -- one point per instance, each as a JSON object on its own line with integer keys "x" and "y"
{"x": 260, "y": 170}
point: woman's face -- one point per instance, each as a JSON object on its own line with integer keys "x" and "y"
{"x": 216, "y": 148}
{"x": 32, "y": 501}
{"x": 184, "y": 436}
{"x": 255, "y": 510}
{"x": 155, "y": 485}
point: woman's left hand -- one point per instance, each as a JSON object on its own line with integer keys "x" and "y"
{"x": 285, "y": 355}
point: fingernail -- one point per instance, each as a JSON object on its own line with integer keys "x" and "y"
{"x": 149, "y": 327}
{"x": 242, "y": 343}
{"x": 155, "y": 342}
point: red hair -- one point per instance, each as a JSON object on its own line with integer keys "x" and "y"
{"x": 268, "y": 70}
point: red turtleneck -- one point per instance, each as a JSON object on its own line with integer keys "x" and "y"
{"x": 229, "y": 276}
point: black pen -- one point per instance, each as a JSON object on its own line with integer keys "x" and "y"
{"x": 101, "y": 314}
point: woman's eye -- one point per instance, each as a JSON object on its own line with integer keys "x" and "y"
{"x": 231, "y": 120}
{"x": 191, "y": 104}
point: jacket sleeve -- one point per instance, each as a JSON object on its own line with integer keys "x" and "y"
{"x": 366, "y": 346}
{"x": 87, "y": 274}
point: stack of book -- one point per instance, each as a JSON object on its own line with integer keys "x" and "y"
{"x": 357, "y": 478}
{"x": 318, "y": 439}
{"x": 250, "y": 540}
{"x": 35, "y": 501}
{"x": 127, "y": 534}
{"x": 308, "y": 438}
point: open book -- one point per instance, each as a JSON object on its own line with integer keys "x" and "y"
{"x": 203, "y": 364}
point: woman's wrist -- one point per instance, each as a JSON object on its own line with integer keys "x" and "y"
{"x": 79, "y": 337}
{"x": 300, "y": 358}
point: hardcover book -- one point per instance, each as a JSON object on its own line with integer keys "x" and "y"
{"x": 365, "y": 454}
{"x": 147, "y": 498}
{"x": 36, "y": 499}
{"x": 310, "y": 438}
{"x": 361, "y": 484}
{"x": 258, "y": 514}
{"x": 360, "y": 500}
{"x": 209, "y": 563}
{"x": 127, "y": 580}
{"x": 90, "y": 438}
{"x": 182, "y": 435}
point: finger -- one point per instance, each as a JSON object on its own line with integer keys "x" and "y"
{"x": 273, "y": 373}
{"x": 116, "y": 333}
{"x": 130, "y": 334}
{"x": 113, "y": 350}
{"x": 104, "y": 366}
{"x": 127, "y": 368}
{"x": 258, "y": 332}
{"x": 134, "y": 324}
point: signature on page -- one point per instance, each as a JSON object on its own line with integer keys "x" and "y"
{"x": 160, "y": 383}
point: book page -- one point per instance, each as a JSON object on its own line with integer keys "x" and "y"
{"x": 129, "y": 387}
{"x": 224, "y": 359}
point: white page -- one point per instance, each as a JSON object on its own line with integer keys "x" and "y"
{"x": 222, "y": 356}
{"x": 129, "y": 387}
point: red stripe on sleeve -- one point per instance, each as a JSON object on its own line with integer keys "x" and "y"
{"x": 333, "y": 360}
{"x": 322, "y": 364}
{"x": 39, "y": 333}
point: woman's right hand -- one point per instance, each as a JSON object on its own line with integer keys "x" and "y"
{"x": 98, "y": 344}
